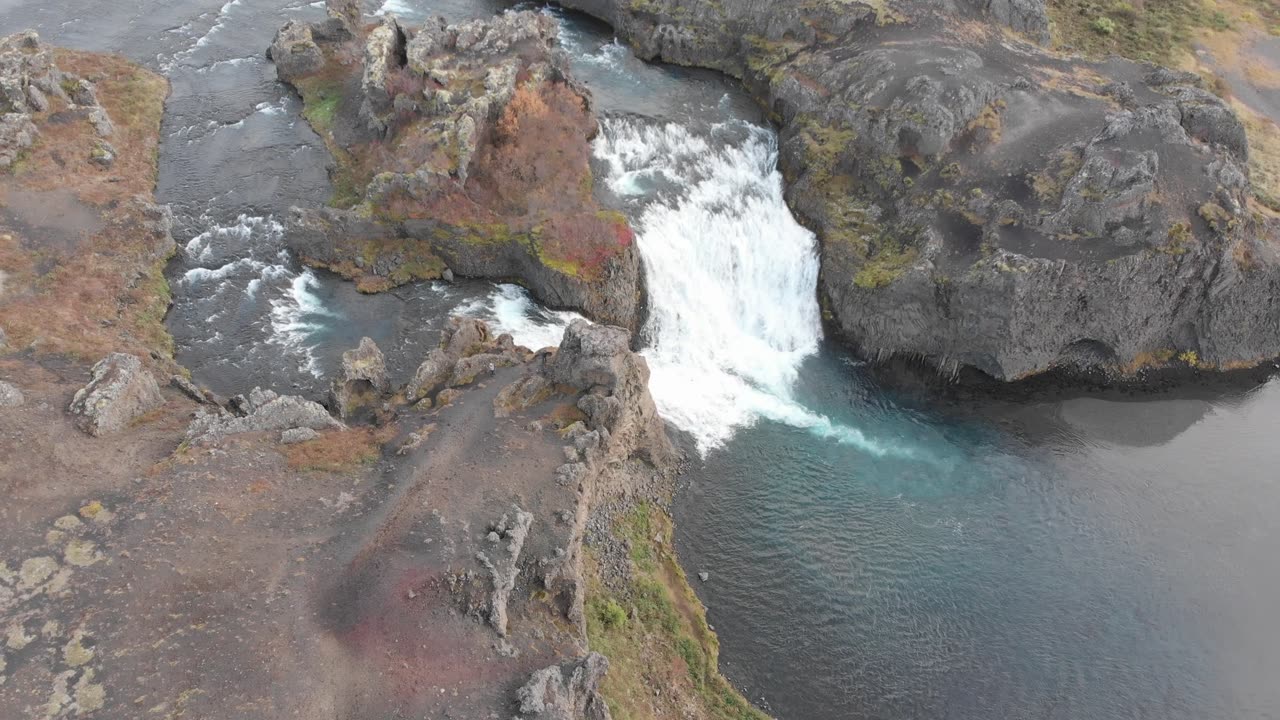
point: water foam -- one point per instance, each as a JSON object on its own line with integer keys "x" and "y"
{"x": 509, "y": 309}
{"x": 295, "y": 318}
{"x": 731, "y": 278}
{"x": 399, "y": 8}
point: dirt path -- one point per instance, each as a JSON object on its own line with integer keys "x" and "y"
{"x": 221, "y": 583}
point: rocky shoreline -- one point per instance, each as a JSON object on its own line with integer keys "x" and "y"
{"x": 446, "y": 548}
{"x": 982, "y": 203}
{"x": 458, "y": 150}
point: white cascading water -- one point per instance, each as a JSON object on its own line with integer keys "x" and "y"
{"x": 730, "y": 274}
{"x": 731, "y": 277}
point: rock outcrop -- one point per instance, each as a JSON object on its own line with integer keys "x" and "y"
{"x": 982, "y": 203}
{"x": 503, "y": 566}
{"x": 618, "y": 406}
{"x": 119, "y": 391}
{"x": 621, "y": 424}
{"x": 468, "y": 350}
{"x": 569, "y": 691}
{"x": 31, "y": 84}
{"x": 362, "y": 380}
{"x": 262, "y": 411}
{"x": 442, "y": 137}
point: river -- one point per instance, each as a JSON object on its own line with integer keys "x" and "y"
{"x": 872, "y": 552}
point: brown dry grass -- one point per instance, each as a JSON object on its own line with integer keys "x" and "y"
{"x": 108, "y": 292}
{"x": 339, "y": 450}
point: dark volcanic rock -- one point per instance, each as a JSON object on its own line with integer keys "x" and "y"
{"x": 442, "y": 136}
{"x": 983, "y": 203}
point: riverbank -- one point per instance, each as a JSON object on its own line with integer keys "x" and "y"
{"x": 914, "y": 142}
{"x": 466, "y": 503}
{"x": 459, "y": 150}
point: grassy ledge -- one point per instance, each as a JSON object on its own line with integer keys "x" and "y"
{"x": 663, "y": 657}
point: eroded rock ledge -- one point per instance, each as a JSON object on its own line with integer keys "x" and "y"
{"x": 982, "y": 203}
{"x": 461, "y": 149}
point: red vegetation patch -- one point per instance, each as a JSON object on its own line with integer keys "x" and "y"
{"x": 538, "y": 162}
{"x": 581, "y": 244}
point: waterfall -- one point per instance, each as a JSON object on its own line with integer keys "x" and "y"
{"x": 731, "y": 276}
{"x": 730, "y": 273}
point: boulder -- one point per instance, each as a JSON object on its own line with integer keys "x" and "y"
{"x": 1030, "y": 17}
{"x": 591, "y": 355}
{"x": 346, "y": 12}
{"x": 17, "y": 133}
{"x": 193, "y": 391}
{"x": 463, "y": 336}
{"x": 568, "y": 691}
{"x": 504, "y": 564}
{"x": 103, "y": 153}
{"x": 362, "y": 379}
{"x": 467, "y": 349}
{"x": 82, "y": 92}
{"x": 10, "y": 395}
{"x": 468, "y": 369}
{"x": 598, "y": 359}
{"x": 101, "y": 122}
{"x": 431, "y": 374}
{"x": 119, "y": 391}
{"x": 295, "y": 52}
{"x": 294, "y": 436}
{"x": 28, "y": 75}
{"x": 264, "y": 411}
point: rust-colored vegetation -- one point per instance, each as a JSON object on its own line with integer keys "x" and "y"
{"x": 82, "y": 274}
{"x": 339, "y": 450}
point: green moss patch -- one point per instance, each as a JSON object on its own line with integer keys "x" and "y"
{"x": 654, "y": 632}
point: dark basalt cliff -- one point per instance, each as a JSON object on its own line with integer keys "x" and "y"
{"x": 983, "y": 203}
{"x": 461, "y": 147}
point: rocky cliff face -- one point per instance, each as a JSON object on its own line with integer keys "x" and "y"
{"x": 458, "y": 147}
{"x": 982, "y": 203}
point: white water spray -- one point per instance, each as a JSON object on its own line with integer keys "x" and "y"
{"x": 731, "y": 278}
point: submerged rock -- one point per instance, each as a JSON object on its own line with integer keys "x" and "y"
{"x": 119, "y": 391}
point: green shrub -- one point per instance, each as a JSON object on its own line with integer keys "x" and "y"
{"x": 610, "y": 614}
{"x": 1103, "y": 26}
